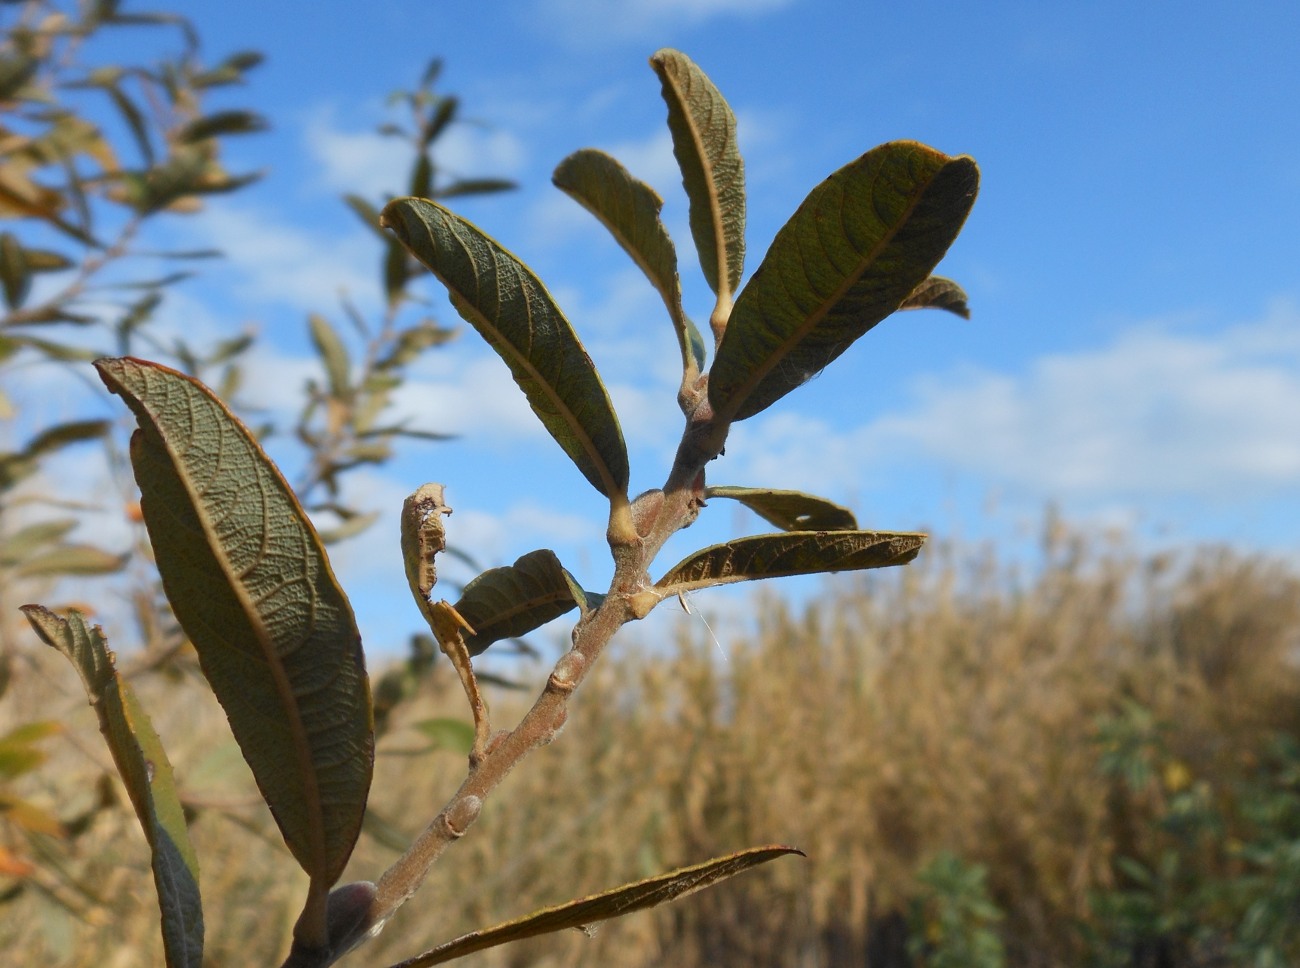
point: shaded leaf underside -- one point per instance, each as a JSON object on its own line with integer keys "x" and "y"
{"x": 703, "y": 130}
{"x": 790, "y": 553}
{"x": 629, "y": 209}
{"x": 511, "y": 601}
{"x": 937, "y": 292}
{"x": 252, "y": 587}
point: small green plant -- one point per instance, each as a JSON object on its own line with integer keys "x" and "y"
{"x": 251, "y": 585}
{"x": 1219, "y": 874}
{"x": 954, "y": 921}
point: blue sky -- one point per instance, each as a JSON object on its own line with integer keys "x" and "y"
{"x": 1134, "y": 351}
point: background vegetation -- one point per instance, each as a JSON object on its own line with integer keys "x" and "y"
{"x": 1095, "y": 764}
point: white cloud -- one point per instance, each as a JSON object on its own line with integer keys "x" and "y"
{"x": 1156, "y": 414}
{"x": 279, "y": 264}
{"x": 603, "y": 21}
{"x": 468, "y": 393}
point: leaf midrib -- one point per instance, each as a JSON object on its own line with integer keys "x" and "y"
{"x": 786, "y": 346}
{"x": 570, "y": 418}
{"x": 304, "y": 759}
{"x": 723, "y": 264}
{"x": 672, "y": 300}
{"x": 796, "y": 540}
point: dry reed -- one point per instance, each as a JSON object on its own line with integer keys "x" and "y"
{"x": 948, "y": 706}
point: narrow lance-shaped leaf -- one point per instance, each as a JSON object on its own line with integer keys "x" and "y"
{"x": 15, "y": 273}
{"x": 333, "y": 354}
{"x": 147, "y": 773}
{"x": 586, "y": 911}
{"x": 790, "y": 510}
{"x": 937, "y": 292}
{"x": 704, "y": 141}
{"x": 857, "y": 247}
{"x": 501, "y": 298}
{"x": 368, "y": 214}
{"x": 69, "y": 559}
{"x": 252, "y": 587}
{"x": 791, "y": 553}
{"x": 475, "y": 186}
{"x": 26, "y": 541}
{"x": 629, "y": 209}
{"x": 504, "y": 603}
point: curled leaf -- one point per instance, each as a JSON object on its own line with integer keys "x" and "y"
{"x": 629, "y": 209}
{"x": 937, "y": 292}
{"x": 423, "y": 539}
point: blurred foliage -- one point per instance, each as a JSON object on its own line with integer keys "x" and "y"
{"x": 1218, "y": 877}
{"x": 343, "y": 422}
{"x": 92, "y": 153}
{"x": 954, "y": 921}
{"x": 97, "y": 153}
{"x": 963, "y": 707}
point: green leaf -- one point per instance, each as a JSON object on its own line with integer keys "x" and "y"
{"x": 629, "y": 209}
{"x": 25, "y": 541}
{"x": 333, "y": 354}
{"x": 442, "y": 116}
{"x": 17, "y": 759}
{"x": 505, "y": 603}
{"x": 791, "y": 553}
{"x": 937, "y": 292}
{"x": 586, "y": 911}
{"x": 704, "y": 141}
{"x": 16, "y": 70}
{"x": 221, "y": 124}
{"x": 19, "y": 753}
{"x": 72, "y": 559}
{"x": 147, "y": 773}
{"x": 134, "y": 121}
{"x": 476, "y": 186}
{"x": 229, "y": 71}
{"x": 856, "y": 248}
{"x": 61, "y": 435}
{"x": 366, "y": 212}
{"x": 349, "y": 528}
{"x": 421, "y": 183}
{"x": 15, "y": 273}
{"x": 397, "y": 271}
{"x": 413, "y": 341}
{"x": 790, "y": 510}
{"x": 448, "y": 734}
{"x": 45, "y": 260}
{"x": 251, "y": 585}
{"x": 52, "y": 350}
{"x": 501, "y": 298}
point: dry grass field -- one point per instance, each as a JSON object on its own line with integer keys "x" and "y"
{"x": 1035, "y": 734}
